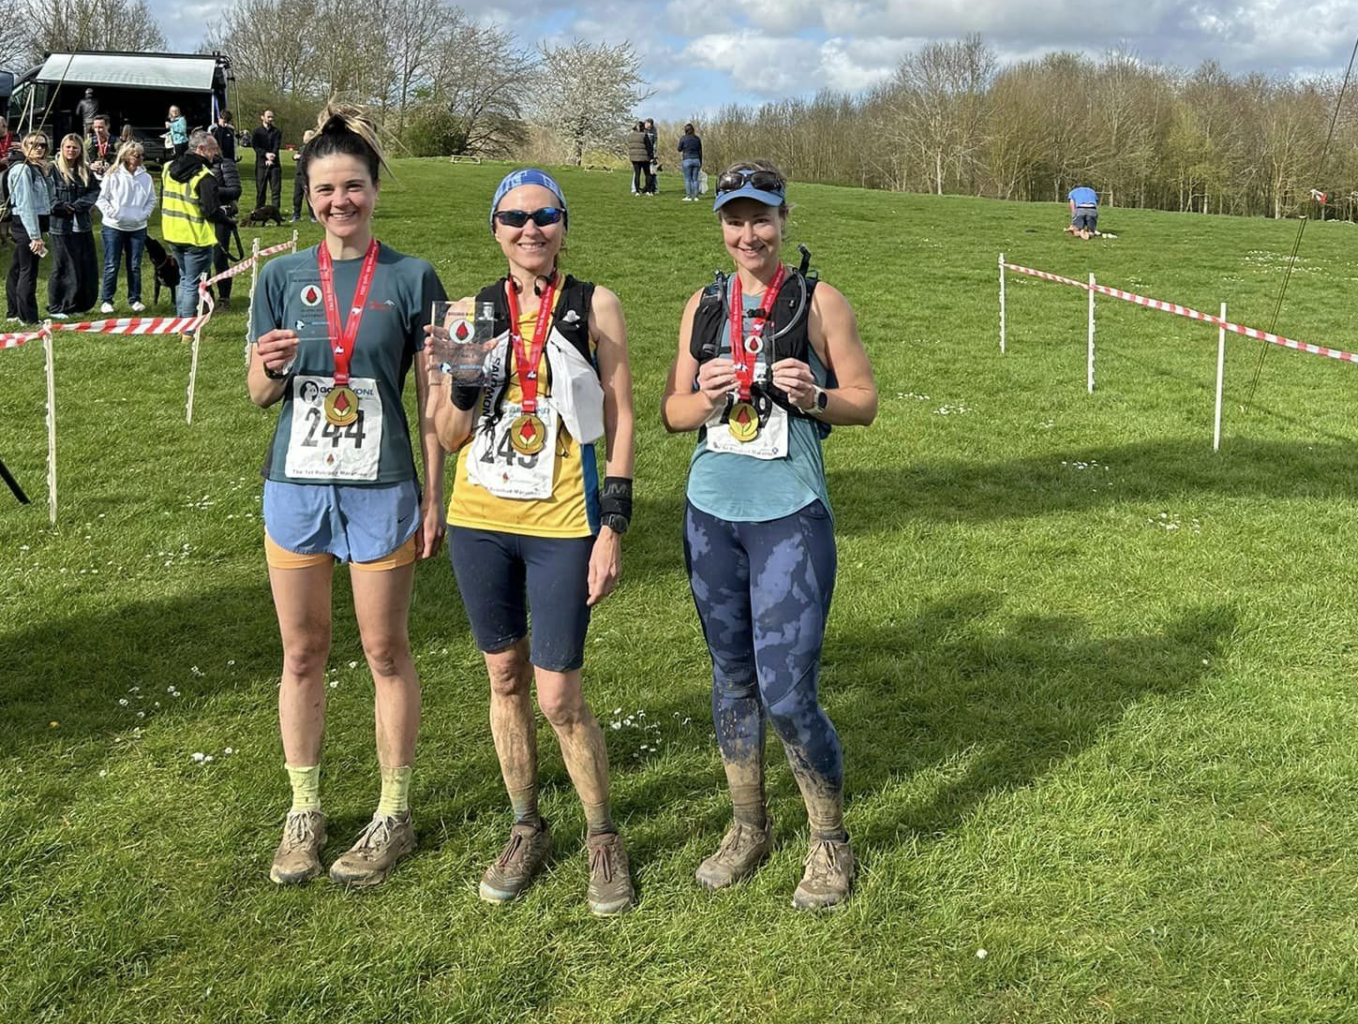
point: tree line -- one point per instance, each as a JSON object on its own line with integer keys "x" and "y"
{"x": 952, "y": 120}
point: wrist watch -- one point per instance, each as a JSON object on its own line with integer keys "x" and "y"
{"x": 822, "y": 400}
{"x": 618, "y": 524}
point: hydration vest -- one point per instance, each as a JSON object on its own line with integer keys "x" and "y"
{"x": 787, "y": 335}
{"x": 570, "y": 321}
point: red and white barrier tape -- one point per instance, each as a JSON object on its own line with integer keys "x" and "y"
{"x": 15, "y": 340}
{"x": 1192, "y": 314}
{"x": 139, "y": 325}
{"x": 1044, "y": 275}
{"x": 239, "y": 268}
{"x": 275, "y": 249}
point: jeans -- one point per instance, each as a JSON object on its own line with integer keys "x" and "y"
{"x": 194, "y": 261}
{"x": 691, "y": 171}
{"x": 116, "y": 242}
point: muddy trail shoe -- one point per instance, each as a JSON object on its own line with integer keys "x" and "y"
{"x": 524, "y": 854}
{"x": 298, "y": 857}
{"x": 380, "y": 847}
{"x": 610, "y": 882}
{"x": 828, "y": 877}
{"x": 742, "y": 850}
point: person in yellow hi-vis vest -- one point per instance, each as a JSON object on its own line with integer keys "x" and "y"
{"x": 189, "y": 208}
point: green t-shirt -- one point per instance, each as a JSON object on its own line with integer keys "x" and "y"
{"x": 376, "y": 449}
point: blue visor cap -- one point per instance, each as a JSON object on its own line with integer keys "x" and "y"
{"x": 527, "y": 176}
{"x": 748, "y": 191}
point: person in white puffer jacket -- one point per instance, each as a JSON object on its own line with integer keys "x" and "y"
{"x": 125, "y": 201}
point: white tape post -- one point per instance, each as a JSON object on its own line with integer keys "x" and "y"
{"x": 1001, "y": 303}
{"x": 193, "y": 358}
{"x": 46, "y": 334}
{"x": 1091, "y": 334}
{"x": 1221, "y": 380}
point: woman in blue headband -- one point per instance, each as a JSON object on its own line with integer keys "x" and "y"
{"x": 530, "y": 524}
{"x": 768, "y": 361}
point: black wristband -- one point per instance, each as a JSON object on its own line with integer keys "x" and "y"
{"x": 275, "y": 374}
{"x": 465, "y": 396}
{"x": 615, "y": 497}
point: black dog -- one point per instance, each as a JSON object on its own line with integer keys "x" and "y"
{"x": 166, "y": 268}
{"x": 260, "y": 216}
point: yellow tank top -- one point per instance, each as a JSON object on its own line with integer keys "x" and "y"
{"x": 573, "y": 508}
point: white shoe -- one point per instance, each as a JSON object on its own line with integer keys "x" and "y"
{"x": 106, "y": 307}
{"x": 137, "y": 307}
{"x": 59, "y": 316}
{"x": 12, "y": 320}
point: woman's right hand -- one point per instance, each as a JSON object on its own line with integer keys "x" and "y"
{"x": 716, "y": 377}
{"x": 36, "y": 247}
{"x": 277, "y": 349}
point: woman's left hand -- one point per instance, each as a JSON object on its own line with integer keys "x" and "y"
{"x": 605, "y": 565}
{"x": 794, "y": 377}
{"x": 432, "y": 528}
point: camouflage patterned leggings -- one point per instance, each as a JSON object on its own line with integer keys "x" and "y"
{"x": 763, "y": 596}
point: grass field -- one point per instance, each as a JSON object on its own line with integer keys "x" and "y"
{"x": 1095, "y": 683}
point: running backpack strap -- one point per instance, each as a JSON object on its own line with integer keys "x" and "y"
{"x": 571, "y": 320}
{"x": 705, "y": 341}
{"x": 493, "y": 400}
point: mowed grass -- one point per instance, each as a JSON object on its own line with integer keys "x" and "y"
{"x": 1095, "y": 683}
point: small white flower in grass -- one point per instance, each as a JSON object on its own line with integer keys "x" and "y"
{"x": 195, "y": 671}
{"x": 228, "y": 751}
{"x": 122, "y": 703}
{"x": 141, "y": 714}
{"x": 334, "y": 683}
{"x": 103, "y": 772}
{"x": 231, "y": 662}
{"x": 981, "y": 954}
{"x": 208, "y": 759}
{"x": 198, "y": 756}
{"x": 617, "y": 725}
{"x": 23, "y": 547}
{"x": 1205, "y": 661}
{"x": 353, "y": 664}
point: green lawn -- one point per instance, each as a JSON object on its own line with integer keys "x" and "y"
{"x": 1094, "y": 682}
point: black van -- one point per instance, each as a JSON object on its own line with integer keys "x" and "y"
{"x": 131, "y": 88}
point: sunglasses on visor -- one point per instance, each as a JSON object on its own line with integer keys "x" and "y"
{"x": 518, "y": 218}
{"x": 765, "y": 181}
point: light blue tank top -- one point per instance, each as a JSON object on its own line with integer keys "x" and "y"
{"x": 741, "y": 489}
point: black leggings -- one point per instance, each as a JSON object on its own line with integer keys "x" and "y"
{"x": 21, "y": 286}
{"x": 641, "y": 170}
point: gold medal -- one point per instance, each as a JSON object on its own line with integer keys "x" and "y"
{"x": 528, "y": 434}
{"x": 341, "y": 406}
{"x": 743, "y": 423}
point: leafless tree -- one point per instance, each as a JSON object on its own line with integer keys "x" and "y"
{"x": 64, "y": 25}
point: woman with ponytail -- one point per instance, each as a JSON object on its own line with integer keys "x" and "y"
{"x": 530, "y": 525}
{"x": 337, "y": 328}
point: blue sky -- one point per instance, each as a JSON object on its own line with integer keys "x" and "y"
{"x": 701, "y": 54}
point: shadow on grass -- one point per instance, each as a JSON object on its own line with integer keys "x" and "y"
{"x": 992, "y": 706}
{"x": 867, "y": 501}
{"x": 74, "y": 669}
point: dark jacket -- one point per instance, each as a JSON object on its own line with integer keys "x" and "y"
{"x": 266, "y": 140}
{"x": 75, "y": 199}
{"x": 183, "y": 169}
{"x": 110, "y": 150}
{"x": 228, "y": 181}
{"x": 691, "y": 147}
{"x": 226, "y": 139}
{"x": 639, "y": 149}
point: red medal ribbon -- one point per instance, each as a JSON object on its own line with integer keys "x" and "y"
{"x": 528, "y": 361}
{"x": 342, "y": 342}
{"x": 745, "y": 360}
{"x": 103, "y": 147}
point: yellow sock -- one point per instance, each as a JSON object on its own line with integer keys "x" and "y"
{"x": 395, "y": 799}
{"x": 306, "y": 787}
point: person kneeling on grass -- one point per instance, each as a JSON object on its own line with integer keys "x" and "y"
{"x": 529, "y": 525}
{"x": 768, "y": 359}
{"x": 339, "y": 326}
{"x": 1084, "y": 212}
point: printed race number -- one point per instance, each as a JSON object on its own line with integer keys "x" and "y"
{"x": 495, "y": 464}
{"x": 320, "y": 450}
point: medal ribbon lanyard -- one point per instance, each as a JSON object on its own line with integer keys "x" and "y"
{"x": 342, "y": 341}
{"x": 528, "y": 361}
{"x": 745, "y": 348}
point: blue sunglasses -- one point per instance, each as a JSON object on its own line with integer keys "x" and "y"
{"x": 518, "y": 218}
